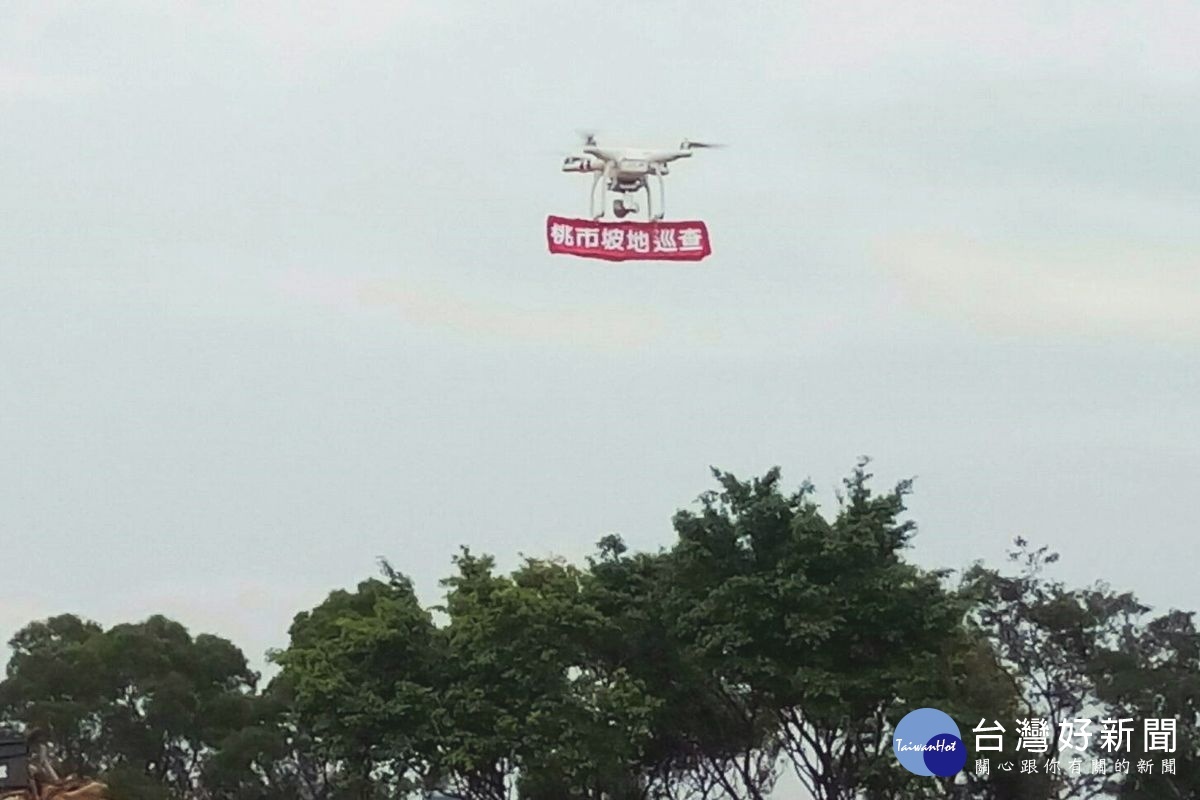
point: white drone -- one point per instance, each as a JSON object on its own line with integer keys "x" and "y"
{"x": 624, "y": 171}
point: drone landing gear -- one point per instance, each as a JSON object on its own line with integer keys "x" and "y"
{"x": 662, "y": 200}
{"x": 592, "y": 199}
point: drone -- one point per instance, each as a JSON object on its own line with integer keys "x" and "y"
{"x": 625, "y": 171}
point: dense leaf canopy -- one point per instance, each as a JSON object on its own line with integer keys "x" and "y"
{"x": 771, "y": 636}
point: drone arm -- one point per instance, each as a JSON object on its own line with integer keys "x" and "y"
{"x": 666, "y": 157}
{"x": 601, "y": 153}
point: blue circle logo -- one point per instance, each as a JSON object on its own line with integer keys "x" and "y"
{"x": 927, "y": 742}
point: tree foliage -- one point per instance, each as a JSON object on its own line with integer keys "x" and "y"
{"x": 769, "y": 636}
{"x": 360, "y": 673}
{"x": 145, "y": 705}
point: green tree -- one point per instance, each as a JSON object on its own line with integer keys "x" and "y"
{"x": 272, "y": 757}
{"x": 528, "y": 707}
{"x": 360, "y": 673}
{"x": 56, "y": 687}
{"x": 969, "y": 685}
{"x": 698, "y": 745}
{"x": 486, "y": 695}
{"x": 769, "y": 635}
{"x": 1052, "y": 640}
{"x": 1155, "y": 675}
{"x": 819, "y": 623}
{"x": 144, "y": 706}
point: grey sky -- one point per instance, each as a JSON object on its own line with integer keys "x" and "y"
{"x": 274, "y": 296}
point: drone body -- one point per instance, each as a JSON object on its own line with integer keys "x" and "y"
{"x": 626, "y": 171}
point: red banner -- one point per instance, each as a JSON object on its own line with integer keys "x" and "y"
{"x": 666, "y": 240}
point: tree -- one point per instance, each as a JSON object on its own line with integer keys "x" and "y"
{"x": 273, "y": 757}
{"x": 970, "y": 685}
{"x": 769, "y": 635}
{"x": 144, "y": 706}
{"x": 818, "y": 623}
{"x": 55, "y": 686}
{"x": 1154, "y": 674}
{"x": 698, "y": 746}
{"x": 485, "y": 697}
{"x": 528, "y": 708}
{"x": 360, "y": 674}
{"x": 1052, "y": 640}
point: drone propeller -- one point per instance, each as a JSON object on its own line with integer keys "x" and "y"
{"x": 689, "y": 145}
{"x": 588, "y": 135}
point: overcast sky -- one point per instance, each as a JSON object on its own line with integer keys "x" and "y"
{"x": 275, "y": 298}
